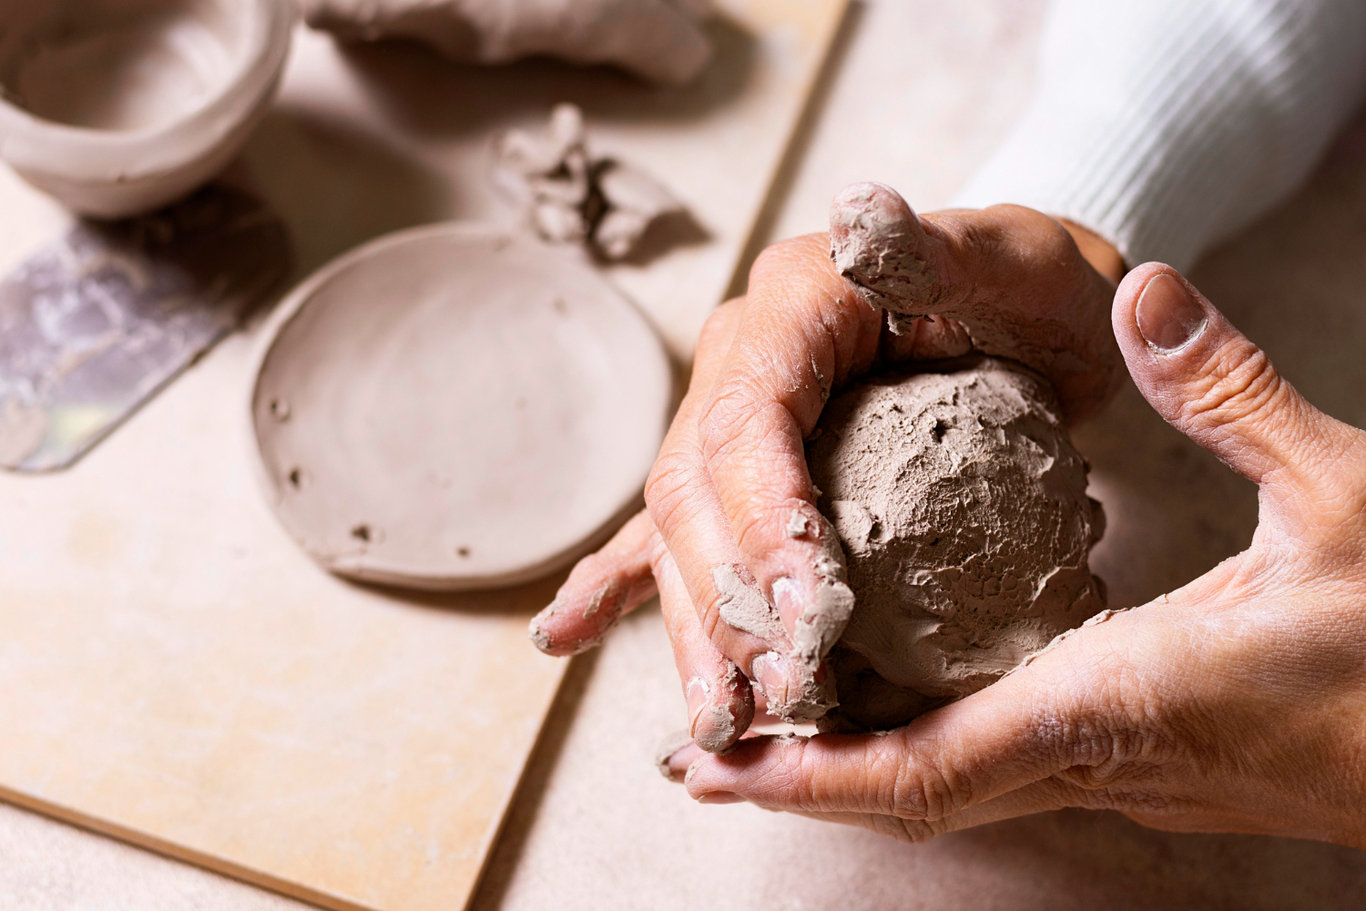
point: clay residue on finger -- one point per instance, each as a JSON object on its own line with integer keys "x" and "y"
{"x": 602, "y": 610}
{"x": 805, "y": 694}
{"x": 716, "y": 727}
{"x": 828, "y": 601}
{"x": 668, "y": 746}
{"x": 741, "y": 605}
{"x": 877, "y": 242}
{"x": 570, "y": 195}
{"x": 537, "y": 633}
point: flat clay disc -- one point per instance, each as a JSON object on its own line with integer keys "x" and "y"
{"x": 452, "y": 407}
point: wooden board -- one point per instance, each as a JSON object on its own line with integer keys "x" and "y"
{"x": 172, "y": 670}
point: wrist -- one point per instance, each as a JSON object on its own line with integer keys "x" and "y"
{"x": 1103, "y": 256}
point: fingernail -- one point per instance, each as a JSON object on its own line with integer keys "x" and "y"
{"x": 787, "y": 598}
{"x": 1168, "y": 317}
{"x": 696, "y": 695}
{"x": 720, "y": 797}
{"x": 771, "y": 673}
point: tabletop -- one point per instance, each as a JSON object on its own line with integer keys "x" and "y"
{"x": 916, "y": 94}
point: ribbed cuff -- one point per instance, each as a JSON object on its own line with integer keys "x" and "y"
{"x": 1165, "y": 126}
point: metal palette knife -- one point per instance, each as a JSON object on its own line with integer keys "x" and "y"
{"x": 95, "y": 323}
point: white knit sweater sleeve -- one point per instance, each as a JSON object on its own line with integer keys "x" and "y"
{"x": 1166, "y": 125}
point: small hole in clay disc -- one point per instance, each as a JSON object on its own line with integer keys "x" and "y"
{"x": 462, "y": 551}
{"x": 279, "y": 409}
{"x": 296, "y": 478}
{"x": 361, "y": 533}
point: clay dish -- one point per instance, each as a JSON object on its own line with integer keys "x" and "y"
{"x": 116, "y": 107}
{"x": 451, "y": 407}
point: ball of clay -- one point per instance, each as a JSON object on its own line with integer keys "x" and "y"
{"x": 961, "y": 507}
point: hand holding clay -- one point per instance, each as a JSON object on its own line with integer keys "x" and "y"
{"x": 657, "y": 40}
{"x": 1235, "y": 704}
{"x": 750, "y": 572}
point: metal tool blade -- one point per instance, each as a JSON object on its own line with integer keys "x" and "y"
{"x": 96, "y": 322}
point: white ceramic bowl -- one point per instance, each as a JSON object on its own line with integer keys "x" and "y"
{"x": 116, "y": 107}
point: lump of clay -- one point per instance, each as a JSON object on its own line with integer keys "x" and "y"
{"x": 961, "y": 507}
{"x": 657, "y": 40}
{"x": 569, "y": 196}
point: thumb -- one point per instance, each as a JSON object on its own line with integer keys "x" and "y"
{"x": 1210, "y": 382}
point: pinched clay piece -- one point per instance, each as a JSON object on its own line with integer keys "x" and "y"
{"x": 570, "y": 196}
{"x": 452, "y": 407}
{"x": 961, "y": 506}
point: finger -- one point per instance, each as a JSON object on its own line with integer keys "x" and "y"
{"x": 720, "y": 701}
{"x": 1217, "y": 387}
{"x": 1039, "y": 797}
{"x": 734, "y": 612}
{"x": 658, "y": 40}
{"x": 603, "y": 587}
{"x": 802, "y": 331}
{"x": 1013, "y": 278}
{"x": 1019, "y": 731}
{"x": 617, "y": 578}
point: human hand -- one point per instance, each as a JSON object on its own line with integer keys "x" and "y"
{"x": 657, "y": 40}
{"x": 1235, "y": 704}
{"x": 730, "y": 499}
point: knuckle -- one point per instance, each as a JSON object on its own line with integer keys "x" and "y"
{"x": 1123, "y": 739}
{"x": 667, "y": 489}
{"x": 780, "y": 259}
{"x": 737, "y": 419}
{"x": 1237, "y": 386}
{"x": 723, "y": 422}
{"x": 910, "y": 831}
{"x": 787, "y": 781}
{"x": 923, "y": 791}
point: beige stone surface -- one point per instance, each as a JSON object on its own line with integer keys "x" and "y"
{"x": 594, "y": 826}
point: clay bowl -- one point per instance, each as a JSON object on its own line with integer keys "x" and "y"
{"x": 116, "y": 107}
{"x": 452, "y": 407}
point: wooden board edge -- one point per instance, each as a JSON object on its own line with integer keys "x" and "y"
{"x": 168, "y": 849}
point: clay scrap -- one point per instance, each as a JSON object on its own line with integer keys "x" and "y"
{"x": 961, "y": 507}
{"x": 570, "y": 196}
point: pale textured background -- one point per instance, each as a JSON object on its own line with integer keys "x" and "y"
{"x": 919, "y": 93}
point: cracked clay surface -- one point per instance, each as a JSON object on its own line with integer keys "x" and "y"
{"x": 961, "y": 507}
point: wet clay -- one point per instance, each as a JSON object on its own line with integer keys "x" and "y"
{"x": 569, "y": 195}
{"x": 961, "y": 507}
{"x": 453, "y": 407}
{"x": 657, "y": 40}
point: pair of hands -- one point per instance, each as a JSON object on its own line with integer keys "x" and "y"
{"x": 1237, "y": 703}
